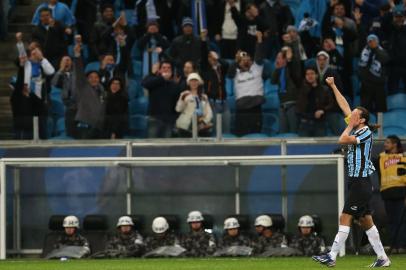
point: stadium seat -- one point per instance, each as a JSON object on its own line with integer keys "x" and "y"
{"x": 135, "y": 90}
{"x": 278, "y": 222}
{"x": 229, "y": 136}
{"x": 95, "y": 230}
{"x": 395, "y": 119}
{"x": 318, "y": 225}
{"x": 173, "y": 221}
{"x": 208, "y": 222}
{"x": 55, "y": 231}
{"x": 138, "y": 126}
{"x": 270, "y": 88}
{"x": 229, "y": 87}
{"x": 394, "y": 130}
{"x": 270, "y": 123}
{"x": 244, "y": 222}
{"x": 138, "y": 106}
{"x": 397, "y": 101}
{"x": 139, "y": 222}
{"x": 137, "y": 69}
{"x": 255, "y": 136}
{"x": 271, "y": 102}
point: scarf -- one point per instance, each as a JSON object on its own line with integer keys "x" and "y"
{"x": 198, "y": 16}
{"x": 199, "y": 106}
{"x": 150, "y": 57}
{"x": 368, "y": 60}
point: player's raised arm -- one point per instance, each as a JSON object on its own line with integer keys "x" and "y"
{"x": 342, "y": 102}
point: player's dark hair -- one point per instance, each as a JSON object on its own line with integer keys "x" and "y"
{"x": 365, "y": 115}
{"x": 45, "y": 9}
{"x": 395, "y": 140}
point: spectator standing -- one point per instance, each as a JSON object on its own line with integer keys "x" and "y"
{"x": 188, "y": 68}
{"x": 393, "y": 189}
{"x": 342, "y": 30}
{"x": 313, "y": 103}
{"x": 90, "y": 98}
{"x": 248, "y": 23}
{"x": 60, "y": 12}
{"x": 277, "y": 16}
{"x": 193, "y": 102}
{"x": 63, "y": 79}
{"x": 214, "y": 72}
{"x": 152, "y": 44}
{"x": 396, "y": 48}
{"x": 163, "y": 93}
{"x": 325, "y": 70}
{"x": 116, "y": 124}
{"x": 372, "y": 73}
{"x": 185, "y": 47}
{"x": 249, "y": 89}
{"x": 287, "y": 76}
{"x": 119, "y": 66}
{"x": 101, "y": 41}
{"x": 50, "y": 35}
{"x": 226, "y": 32}
{"x": 27, "y": 99}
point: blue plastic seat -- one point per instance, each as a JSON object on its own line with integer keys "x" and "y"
{"x": 270, "y": 88}
{"x": 135, "y": 90}
{"x": 138, "y": 125}
{"x": 270, "y": 123}
{"x": 138, "y": 106}
{"x": 137, "y": 68}
{"x": 271, "y": 102}
{"x": 229, "y": 87}
{"x": 229, "y": 136}
{"x": 394, "y": 130}
{"x": 396, "y": 101}
{"x": 395, "y": 119}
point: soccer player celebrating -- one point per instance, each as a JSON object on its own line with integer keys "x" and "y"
{"x": 358, "y": 137}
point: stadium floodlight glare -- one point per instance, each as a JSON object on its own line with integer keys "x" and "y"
{"x": 235, "y": 161}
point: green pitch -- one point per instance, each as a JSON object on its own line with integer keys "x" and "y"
{"x": 349, "y": 262}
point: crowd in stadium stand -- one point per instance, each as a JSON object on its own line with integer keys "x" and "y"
{"x": 251, "y": 61}
{"x": 267, "y": 240}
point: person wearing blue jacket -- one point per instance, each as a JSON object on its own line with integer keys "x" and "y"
{"x": 60, "y": 12}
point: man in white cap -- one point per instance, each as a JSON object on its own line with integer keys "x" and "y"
{"x": 232, "y": 234}
{"x": 197, "y": 241}
{"x": 307, "y": 240}
{"x": 71, "y": 236}
{"x": 268, "y": 238}
{"x": 127, "y": 240}
{"x": 162, "y": 236}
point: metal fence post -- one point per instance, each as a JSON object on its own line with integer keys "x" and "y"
{"x": 35, "y": 123}
{"x": 219, "y": 127}
{"x": 194, "y": 127}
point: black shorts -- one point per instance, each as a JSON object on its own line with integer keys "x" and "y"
{"x": 359, "y": 196}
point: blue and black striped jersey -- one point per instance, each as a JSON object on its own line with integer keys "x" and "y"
{"x": 359, "y": 155}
